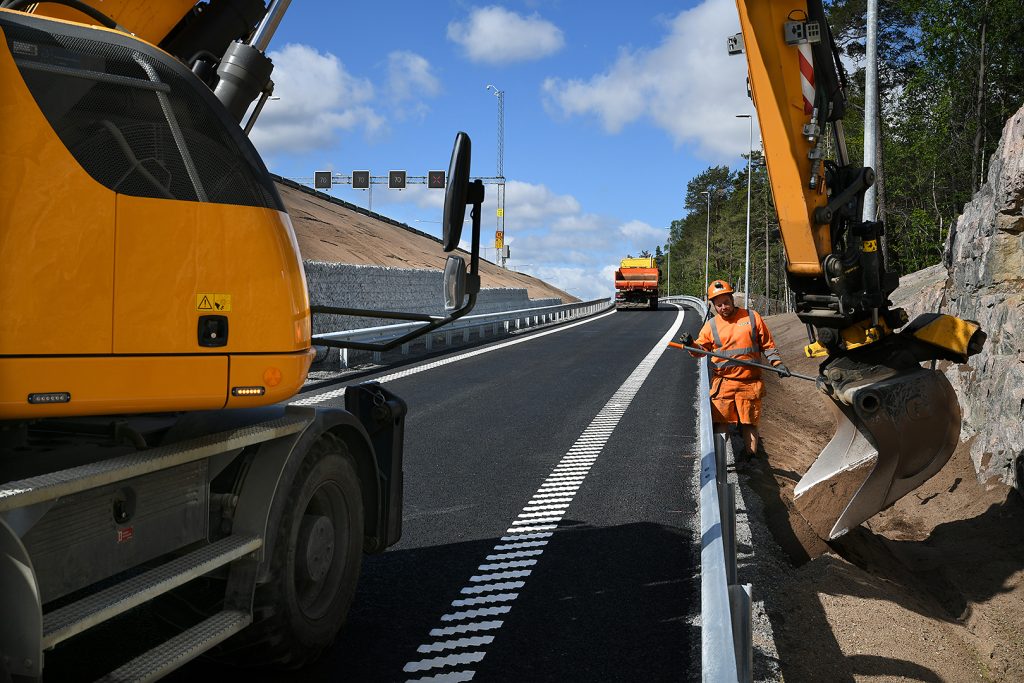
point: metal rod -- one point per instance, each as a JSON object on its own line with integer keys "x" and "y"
{"x": 741, "y": 362}
{"x": 265, "y": 31}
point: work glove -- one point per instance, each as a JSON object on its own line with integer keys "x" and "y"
{"x": 783, "y": 370}
{"x": 687, "y": 339}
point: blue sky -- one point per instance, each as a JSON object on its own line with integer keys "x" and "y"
{"x": 610, "y": 109}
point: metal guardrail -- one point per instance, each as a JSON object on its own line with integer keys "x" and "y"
{"x": 499, "y": 322}
{"x": 726, "y": 606}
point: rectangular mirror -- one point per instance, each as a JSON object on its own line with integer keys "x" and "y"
{"x": 454, "y": 283}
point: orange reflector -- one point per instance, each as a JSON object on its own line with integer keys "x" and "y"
{"x": 248, "y": 391}
{"x": 272, "y": 377}
{"x": 50, "y": 397}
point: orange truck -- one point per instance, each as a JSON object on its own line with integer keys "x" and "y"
{"x": 636, "y": 283}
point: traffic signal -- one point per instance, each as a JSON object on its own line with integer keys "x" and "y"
{"x": 322, "y": 180}
{"x": 396, "y": 180}
{"x": 435, "y": 180}
{"x": 360, "y": 180}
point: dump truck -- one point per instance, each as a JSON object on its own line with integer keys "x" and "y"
{"x": 155, "y": 325}
{"x": 636, "y": 283}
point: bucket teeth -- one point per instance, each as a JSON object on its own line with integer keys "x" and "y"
{"x": 893, "y": 432}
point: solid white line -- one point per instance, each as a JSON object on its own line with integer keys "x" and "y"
{"x": 450, "y": 660}
{"x": 474, "y": 613}
{"x": 472, "y": 641}
{"x": 485, "y": 599}
{"x": 498, "y": 576}
{"x": 466, "y": 628}
{"x": 335, "y": 393}
{"x": 594, "y": 439}
{"x": 505, "y": 565}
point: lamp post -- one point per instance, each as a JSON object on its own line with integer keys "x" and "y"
{"x": 707, "y": 242}
{"x": 746, "y": 264}
{"x": 500, "y": 94}
{"x": 668, "y": 258}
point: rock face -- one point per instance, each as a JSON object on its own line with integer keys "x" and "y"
{"x": 985, "y": 267}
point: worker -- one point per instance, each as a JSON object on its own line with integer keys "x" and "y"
{"x": 736, "y": 389}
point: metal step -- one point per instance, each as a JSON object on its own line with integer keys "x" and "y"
{"x": 80, "y": 616}
{"x": 53, "y": 485}
{"x": 181, "y": 649}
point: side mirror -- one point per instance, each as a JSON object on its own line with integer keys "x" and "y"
{"x": 454, "y": 283}
{"x": 455, "y": 193}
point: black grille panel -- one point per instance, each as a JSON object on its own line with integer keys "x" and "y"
{"x": 135, "y": 119}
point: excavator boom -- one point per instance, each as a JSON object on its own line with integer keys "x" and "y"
{"x": 897, "y": 422}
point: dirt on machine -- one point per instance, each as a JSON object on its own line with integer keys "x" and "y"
{"x": 636, "y": 283}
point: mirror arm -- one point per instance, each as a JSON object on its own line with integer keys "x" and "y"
{"x": 369, "y": 313}
{"x": 434, "y": 323}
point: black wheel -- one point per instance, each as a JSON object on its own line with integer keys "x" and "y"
{"x": 654, "y": 304}
{"x": 317, "y": 555}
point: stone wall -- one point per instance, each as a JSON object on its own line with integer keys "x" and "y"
{"x": 394, "y": 289}
{"x": 985, "y": 265}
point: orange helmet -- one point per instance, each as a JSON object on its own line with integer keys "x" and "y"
{"x": 719, "y": 287}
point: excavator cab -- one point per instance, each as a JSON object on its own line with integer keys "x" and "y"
{"x": 898, "y": 422}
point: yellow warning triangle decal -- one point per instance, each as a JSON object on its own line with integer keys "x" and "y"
{"x": 205, "y": 305}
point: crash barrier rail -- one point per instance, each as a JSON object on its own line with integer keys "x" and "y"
{"x": 499, "y": 322}
{"x": 726, "y": 607}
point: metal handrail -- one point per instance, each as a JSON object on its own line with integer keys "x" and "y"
{"x": 725, "y": 605}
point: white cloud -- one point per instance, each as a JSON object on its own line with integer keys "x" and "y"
{"x": 410, "y": 79}
{"x": 643, "y": 235}
{"x": 688, "y": 85}
{"x": 495, "y": 35}
{"x": 530, "y": 205}
{"x": 586, "y": 283}
{"x": 318, "y": 98}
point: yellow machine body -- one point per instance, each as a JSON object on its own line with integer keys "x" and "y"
{"x": 102, "y": 291}
{"x": 774, "y": 72}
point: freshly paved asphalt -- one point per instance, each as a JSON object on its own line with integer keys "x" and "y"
{"x": 614, "y": 594}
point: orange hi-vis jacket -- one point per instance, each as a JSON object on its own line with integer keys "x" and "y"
{"x": 741, "y": 336}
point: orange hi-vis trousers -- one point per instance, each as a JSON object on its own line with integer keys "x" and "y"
{"x": 736, "y": 400}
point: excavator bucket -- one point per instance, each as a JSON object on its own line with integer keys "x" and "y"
{"x": 893, "y": 433}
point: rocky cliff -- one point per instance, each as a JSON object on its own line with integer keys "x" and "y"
{"x": 984, "y": 268}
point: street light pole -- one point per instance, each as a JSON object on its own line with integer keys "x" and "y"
{"x": 500, "y": 94}
{"x": 746, "y": 265}
{"x": 707, "y": 243}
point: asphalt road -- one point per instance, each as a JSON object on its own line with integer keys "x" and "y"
{"x": 613, "y": 592}
{"x": 548, "y": 518}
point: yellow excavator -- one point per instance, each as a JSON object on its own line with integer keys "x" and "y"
{"x": 150, "y": 281}
{"x": 897, "y": 421}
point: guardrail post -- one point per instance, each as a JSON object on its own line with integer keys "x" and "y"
{"x": 741, "y": 607}
{"x": 343, "y": 358}
{"x": 429, "y": 341}
{"x": 377, "y": 356}
{"x": 405, "y": 349}
{"x": 494, "y": 329}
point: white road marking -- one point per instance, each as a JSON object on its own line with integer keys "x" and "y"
{"x": 539, "y": 515}
{"x": 337, "y": 393}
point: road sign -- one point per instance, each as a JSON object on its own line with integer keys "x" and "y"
{"x": 435, "y": 180}
{"x": 396, "y": 180}
{"x": 360, "y": 180}
{"x": 322, "y": 180}
{"x": 499, "y": 239}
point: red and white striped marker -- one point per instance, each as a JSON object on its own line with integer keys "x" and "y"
{"x": 807, "y": 76}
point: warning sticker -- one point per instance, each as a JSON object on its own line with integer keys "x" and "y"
{"x": 213, "y": 303}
